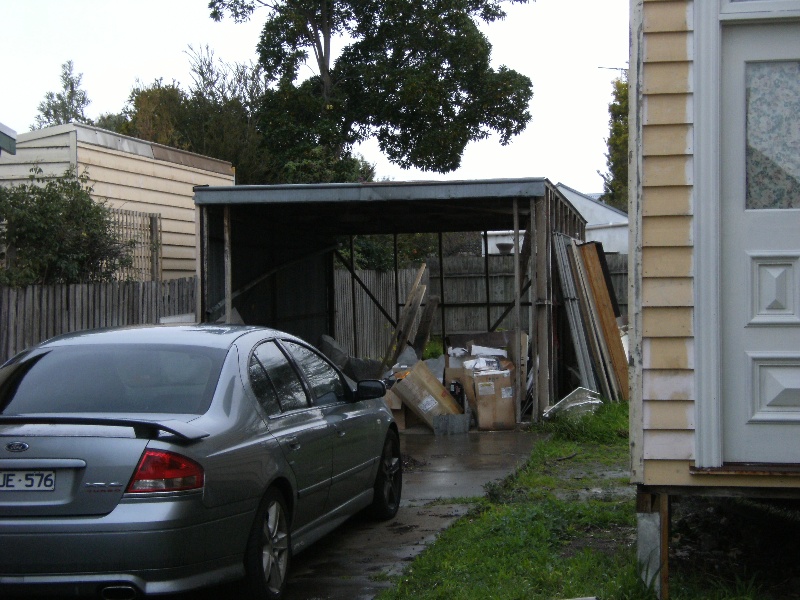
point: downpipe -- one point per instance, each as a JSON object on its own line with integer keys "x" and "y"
{"x": 119, "y": 592}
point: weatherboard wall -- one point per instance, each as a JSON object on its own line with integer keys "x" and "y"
{"x": 662, "y": 396}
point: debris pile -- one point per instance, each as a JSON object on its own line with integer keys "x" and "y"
{"x": 470, "y": 386}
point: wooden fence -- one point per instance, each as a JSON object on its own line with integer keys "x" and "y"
{"x": 35, "y": 313}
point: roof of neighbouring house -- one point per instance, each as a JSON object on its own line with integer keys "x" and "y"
{"x": 89, "y": 134}
{"x": 593, "y": 210}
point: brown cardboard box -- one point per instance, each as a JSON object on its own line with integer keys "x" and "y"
{"x": 394, "y": 403}
{"x": 494, "y": 400}
{"x": 392, "y": 400}
{"x": 425, "y": 395}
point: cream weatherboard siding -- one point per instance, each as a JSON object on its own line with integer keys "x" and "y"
{"x": 129, "y": 174}
{"x": 662, "y": 207}
{"x": 664, "y": 420}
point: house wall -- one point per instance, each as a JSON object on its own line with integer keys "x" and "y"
{"x": 662, "y": 203}
{"x": 130, "y": 174}
{"x": 662, "y": 289}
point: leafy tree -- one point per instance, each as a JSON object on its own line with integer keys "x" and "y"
{"x": 54, "y": 232}
{"x": 59, "y": 108}
{"x": 222, "y": 114}
{"x": 615, "y": 182}
{"x": 158, "y": 113}
{"x": 415, "y": 74}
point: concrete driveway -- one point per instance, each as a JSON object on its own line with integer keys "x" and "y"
{"x": 355, "y": 561}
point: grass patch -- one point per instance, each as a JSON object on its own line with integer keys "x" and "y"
{"x": 563, "y": 526}
{"x": 557, "y": 528}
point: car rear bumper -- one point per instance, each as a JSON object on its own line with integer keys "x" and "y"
{"x": 152, "y": 546}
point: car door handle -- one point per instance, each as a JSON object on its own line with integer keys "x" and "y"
{"x": 293, "y": 443}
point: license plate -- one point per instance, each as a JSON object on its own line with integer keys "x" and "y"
{"x": 27, "y": 481}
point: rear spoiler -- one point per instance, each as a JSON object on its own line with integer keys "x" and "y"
{"x": 142, "y": 428}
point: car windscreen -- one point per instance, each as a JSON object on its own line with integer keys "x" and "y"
{"x": 111, "y": 379}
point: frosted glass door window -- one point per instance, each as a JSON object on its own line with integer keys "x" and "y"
{"x": 773, "y": 134}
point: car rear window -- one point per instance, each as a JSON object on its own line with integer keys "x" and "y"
{"x": 112, "y": 379}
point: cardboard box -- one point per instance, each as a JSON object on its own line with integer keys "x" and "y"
{"x": 494, "y": 400}
{"x": 395, "y": 404}
{"x": 425, "y": 395}
{"x": 392, "y": 400}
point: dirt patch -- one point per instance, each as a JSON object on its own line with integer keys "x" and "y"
{"x": 604, "y": 540}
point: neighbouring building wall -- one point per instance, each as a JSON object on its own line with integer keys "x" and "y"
{"x": 662, "y": 410}
{"x": 129, "y": 174}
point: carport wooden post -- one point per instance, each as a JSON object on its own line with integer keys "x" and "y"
{"x": 353, "y": 295}
{"x": 441, "y": 291}
{"x": 533, "y": 316}
{"x": 228, "y": 266}
{"x": 486, "y": 280}
{"x": 542, "y": 316}
{"x": 517, "y": 318}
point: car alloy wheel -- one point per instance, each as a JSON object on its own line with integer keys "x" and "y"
{"x": 269, "y": 548}
{"x": 389, "y": 482}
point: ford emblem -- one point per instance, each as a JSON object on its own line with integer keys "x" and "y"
{"x": 17, "y": 446}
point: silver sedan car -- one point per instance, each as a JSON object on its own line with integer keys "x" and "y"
{"x": 153, "y": 460}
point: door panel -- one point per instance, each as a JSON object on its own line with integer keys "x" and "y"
{"x": 760, "y": 229}
{"x": 356, "y": 446}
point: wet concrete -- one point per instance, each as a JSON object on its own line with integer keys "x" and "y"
{"x": 356, "y": 561}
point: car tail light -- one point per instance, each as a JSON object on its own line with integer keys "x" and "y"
{"x": 162, "y": 471}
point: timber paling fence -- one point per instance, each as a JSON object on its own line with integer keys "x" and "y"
{"x": 35, "y": 313}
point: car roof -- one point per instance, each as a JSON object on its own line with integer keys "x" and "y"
{"x": 212, "y": 335}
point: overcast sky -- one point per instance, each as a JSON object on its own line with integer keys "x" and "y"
{"x": 571, "y": 49}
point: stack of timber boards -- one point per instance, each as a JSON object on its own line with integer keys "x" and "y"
{"x": 590, "y": 311}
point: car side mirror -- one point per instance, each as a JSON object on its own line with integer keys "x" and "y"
{"x": 369, "y": 389}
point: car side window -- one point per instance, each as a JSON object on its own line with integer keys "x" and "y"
{"x": 274, "y": 380}
{"x": 326, "y": 383}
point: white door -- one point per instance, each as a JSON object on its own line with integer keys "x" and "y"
{"x": 760, "y": 246}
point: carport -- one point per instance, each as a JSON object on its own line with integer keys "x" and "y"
{"x": 267, "y": 253}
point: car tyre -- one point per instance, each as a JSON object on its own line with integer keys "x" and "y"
{"x": 389, "y": 481}
{"x": 268, "y": 548}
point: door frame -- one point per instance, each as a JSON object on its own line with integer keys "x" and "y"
{"x": 709, "y": 19}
